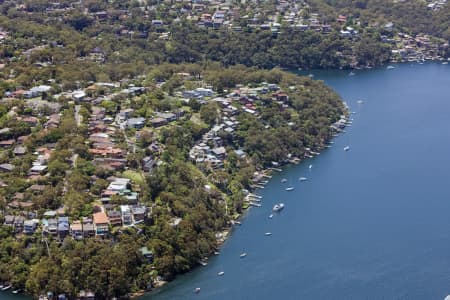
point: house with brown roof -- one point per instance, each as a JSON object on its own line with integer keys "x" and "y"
{"x": 101, "y": 223}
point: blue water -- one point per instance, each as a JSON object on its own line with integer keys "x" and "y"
{"x": 370, "y": 223}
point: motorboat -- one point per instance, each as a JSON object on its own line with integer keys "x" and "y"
{"x": 277, "y": 207}
{"x": 197, "y": 290}
{"x": 291, "y": 188}
{"x": 221, "y": 273}
{"x": 283, "y": 180}
{"x": 303, "y": 179}
{"x": 243, "y": 254}
{"x": 268, "y": 233}
{"x": 346, "y": 148}
{"x": 270, "y": 216}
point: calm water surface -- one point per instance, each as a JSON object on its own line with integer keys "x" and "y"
{"x": 370, "y": 223}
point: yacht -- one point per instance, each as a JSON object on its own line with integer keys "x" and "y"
{"x": 278, "y": 207}
{"x": 221, "y": 273}
{"x": 291, "y": 188}
{"x": 243, "y": 254}
{"x": 303, "y": 179}
{"x": 346, "y": 148}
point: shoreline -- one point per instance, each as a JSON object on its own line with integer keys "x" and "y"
{"x": 226, "y": 232}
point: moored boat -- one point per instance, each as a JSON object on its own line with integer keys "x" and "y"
{"x": 278, "y": 207}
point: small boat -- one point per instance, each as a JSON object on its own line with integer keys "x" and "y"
{"x": 197, "y": 290}
{"x": 270, "y": 216}
{"x": 16, "y": 291}
{"x": 237, "y": 223}
{"x": 268, "y": 233}
{"x": 351, "y": 74}
{"x": 243, "y": 254}
{"x": 203, "y": 263}
{"x": 310, "y": 167}
{"x": 291, "y": 188}
{"x": 360, "y": 101}
{"x": 283, "y": 180}
{"x": 445, "y": 63}
{"x": 390, "y": 67}
{"x": 216, "y": 252}
{"x": 303, "y": 179}
{"x": 6, "y": 287}
{"x": 278, "y": 207}
{"x": 346, "y": 148}
{"x": 221, "y": 273}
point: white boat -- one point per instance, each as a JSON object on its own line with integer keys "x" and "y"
{"x": 291, "y": 188}
{"x": 283, "y": 180}
{"x": 268, "y": 233}
{"x": 216, "y": 252}
{"x": 270, "y": 216}
{"x": 221, "y": 273}
{"x": 346, "y": 148}
{"x": 351, "y": 74}
{"x": 237, "y": 223}
{"x": 203, "y": 263}
{"x": 303, "y": 179}
{"x": 6, "y": 287}
{"x": 197, "y": 290}
{"x": 278, "y": 207}
{"x": 310, "y": 166}
{"x": 360, "y": 101}
{"x": 243, "y": 254}
{"x": 16, "y": 291}
{"x": 390, "y": 67}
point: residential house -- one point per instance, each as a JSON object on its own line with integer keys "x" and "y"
{"x": 9, "y": 220}
{"x": 137, "y": 123}
{"x": 138, "y": 213}
{"x": 29, "y": 226}
{"x": 101, "y": 223}
{"x": 76, "y": 230}
{"x": 63, "y": 227}
{"x": 127, "y": 218}
{"x": 6, "y": 167}
{"x": 147, "y": 254}
{"x": 115, "y": 218}
{"x": 18, "y": 223}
